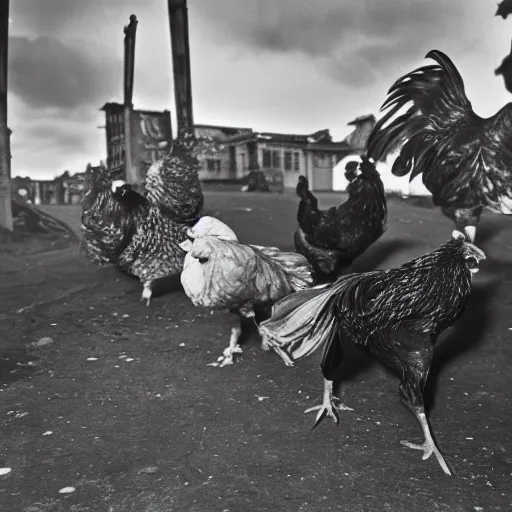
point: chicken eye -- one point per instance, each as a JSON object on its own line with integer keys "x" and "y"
{"x": 471, "y": 262}
{"x": 202, "y": 260}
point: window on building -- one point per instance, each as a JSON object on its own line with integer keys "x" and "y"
{"x": 287, "y": 160}
{"x": 296, "y": 161}
{"x": 267, "y": 158}
{"x": 276, "y": 159}
{"x": 213, "y": 165}
{"x": 112, "y": 123}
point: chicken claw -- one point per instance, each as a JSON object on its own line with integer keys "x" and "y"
{"x": 429, "y": 446}
{"x": 323, "y": 411}
{"x": 234, "y": 348}
{"x": 328, "y": 407}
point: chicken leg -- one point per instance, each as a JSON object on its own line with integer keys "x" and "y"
{"x": 415, "y": 369}
{"x": 233, "y": 348}
{"x": 147, "y": 292}
{"x": 428, "y": 446}
{"x": 328, "y": 407}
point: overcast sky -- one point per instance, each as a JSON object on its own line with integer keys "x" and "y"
{"x": 272, "y": 65}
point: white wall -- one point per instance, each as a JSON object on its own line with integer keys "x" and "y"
{"x": 391, "y": 183}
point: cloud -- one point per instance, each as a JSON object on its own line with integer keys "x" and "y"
{"x": 46, "y": 72}
{"x": 57, "y": 17}
{"x": 352, "y": 41}
{"x": 289, "y": 65}
{"x": 49, "y": 140}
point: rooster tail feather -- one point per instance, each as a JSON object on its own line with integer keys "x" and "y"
{"x": 302, "y": 322}
{"x": 432, "y": 91}
{"x": 452, "y": 75}
{"x": 295, "y": 266}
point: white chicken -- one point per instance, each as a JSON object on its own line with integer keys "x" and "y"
{"x": 221, "y": 273}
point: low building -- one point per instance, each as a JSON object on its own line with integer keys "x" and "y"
{"x": 70, "y": 189}
{"x": 64, "y": 189}
{"x": 313, "y": 155}
{"x": 36, "y": 191}
{"x": 220, "y": 164}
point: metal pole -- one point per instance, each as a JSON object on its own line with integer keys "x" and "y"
{"x": 131, "y": 174}
{"x": 178, "y": 23}
{"x": 5, "y": 133}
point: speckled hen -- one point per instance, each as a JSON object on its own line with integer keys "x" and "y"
{"x": 396, "y": 315}
{"x": 141, "y": 233}
{"x": 465, "y": 160}
{"x": 221, "y": 273}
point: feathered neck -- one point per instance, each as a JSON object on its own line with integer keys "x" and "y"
{"x": 370, "y": 182}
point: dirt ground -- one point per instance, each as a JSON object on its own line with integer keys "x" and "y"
{"x": 122, "y": 406}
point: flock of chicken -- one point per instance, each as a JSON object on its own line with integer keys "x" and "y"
{"x": 308, "y": 299}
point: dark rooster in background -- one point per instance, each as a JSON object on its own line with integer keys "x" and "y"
{"x": 331, "y": 239}
{"x": 396, "y": 315}
{"x": 141, "y": 233}
{"x": 465, "y": 160}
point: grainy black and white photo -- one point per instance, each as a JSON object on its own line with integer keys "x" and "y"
{"x": 255, "y": 256}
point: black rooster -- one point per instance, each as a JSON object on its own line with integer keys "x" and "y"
{"x": 465, "y": 160}
{"x": 504, "y": 9}
{"x": 396, "y": 315}
{"x": 333, "y": 238}
{"x": 141, "y": 234}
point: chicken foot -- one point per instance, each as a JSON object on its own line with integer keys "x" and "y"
{"x": 233, "y": 348}
{"x": 147, "y": 293}
{"x": 428, "y": 446}
{"x": 328, "y": 407}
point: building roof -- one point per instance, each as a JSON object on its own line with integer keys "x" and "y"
{"x": 112, "y": 105}
{"x": 362, "y": 119}
{"x": 152, "y": 112}
{"x": 227, "y": 130}
{"x": 119, "y": 106}
{"x": 320, "y": 140}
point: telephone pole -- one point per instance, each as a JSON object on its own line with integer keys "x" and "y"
{"x": 5, "y": 133}
{"x": 178, "y": 23}
{"x": 131, "y": 174}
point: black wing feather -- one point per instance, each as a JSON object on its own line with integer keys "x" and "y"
{"x": 464, "y": 160}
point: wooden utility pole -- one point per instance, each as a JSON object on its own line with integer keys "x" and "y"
{"x": 131, "y": 174}
{"x": 5, "y": 133}
{"x": 178, "y": 22}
